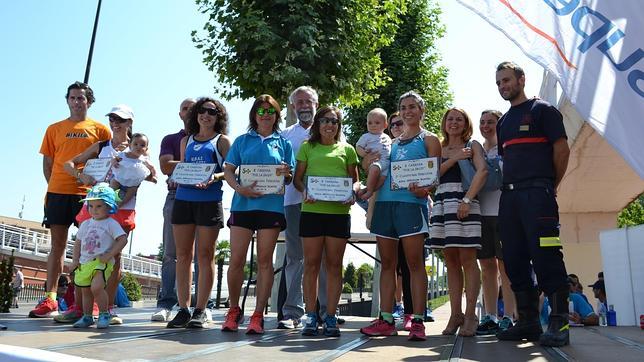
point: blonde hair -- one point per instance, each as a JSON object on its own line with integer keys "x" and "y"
{"x": 379, "y": 112}
{"x": 467, "y": 131}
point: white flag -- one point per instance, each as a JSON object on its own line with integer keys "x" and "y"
{"x": 593, "y": 48}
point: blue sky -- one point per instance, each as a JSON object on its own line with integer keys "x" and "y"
{"x": 144, "y": 57}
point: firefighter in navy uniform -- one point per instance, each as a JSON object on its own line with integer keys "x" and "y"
{"x": 535, "y": 152}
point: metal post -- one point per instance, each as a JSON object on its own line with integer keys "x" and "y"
{"x": 91, "y": 45}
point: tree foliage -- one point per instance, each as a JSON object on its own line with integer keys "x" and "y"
{"x": 6, "y": 288}
{"x": 632, "y": 214}
{"x": 410, "y": 62}
{"x": 350, "y": 275}
{"x": 365, "y": 275}
{"x": 257, "y": 47}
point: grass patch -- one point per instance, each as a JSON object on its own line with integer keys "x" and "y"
{"x": 437, "y": 302}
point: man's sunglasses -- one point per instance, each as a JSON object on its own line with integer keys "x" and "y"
{"x": 263, "y": 111}
{"x": 117, "y": 119}
{"x": 397, "y": 124}
{"x": 327, "y": 120}
{"x": 210, "y": 111}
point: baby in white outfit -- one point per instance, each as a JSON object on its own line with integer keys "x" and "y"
{"x": 375, "y": 141}
{"x": 130, "y": 168}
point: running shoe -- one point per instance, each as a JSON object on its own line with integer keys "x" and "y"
{"x": 198, "y": 320}
{"x": 103, "y": 320}
{"x": 181, "y": 319}
{"x": 487, "y": 326}
{"x": 114, "y": 318}
{"x": 505, "y": 323}
{"x": 331, "y": 326}
{"x": 162, "y": 315}
{"x": 379, "y": 327}
{"x": 84, "y": 322}
{"x": 399, "y": 311}
{"x": 311, "y": 326}
{"x": 417, "y": 332}
{"x": 233, "y": 318}
{"x": 256, "y": 325}
{"x": 46, "y": 308}
{"x": 289, "y": 323}
{"x": 407, "y": 322}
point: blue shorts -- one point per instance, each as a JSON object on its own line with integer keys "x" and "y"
{"x": 395, "y": 220}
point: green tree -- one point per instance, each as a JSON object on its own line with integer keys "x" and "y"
{"x": 350, "y": 275}
{"x": 6, "y": 288}
{"x": 410, "y": 62}
{"x": 274, "y": 46}
{"x": 365, "y": 273}
{"x": 160, "y": 252}
{"x": 632, "y": 214}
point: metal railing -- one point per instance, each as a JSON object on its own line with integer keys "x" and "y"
{"x": 24, "y": 241}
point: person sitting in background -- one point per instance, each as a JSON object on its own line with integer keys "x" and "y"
{"x": 576, "y": 286}
{"x": 583, "y": 313}
{"x": 599, "y": 290}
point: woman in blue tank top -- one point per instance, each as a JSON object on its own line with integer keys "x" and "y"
{"x": 197, "y": 212}
{"x": 402, "y": 215}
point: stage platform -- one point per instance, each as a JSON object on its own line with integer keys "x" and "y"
{"x": 138, "y": 339}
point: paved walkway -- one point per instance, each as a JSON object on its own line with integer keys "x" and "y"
{"x": 141, "y": 340}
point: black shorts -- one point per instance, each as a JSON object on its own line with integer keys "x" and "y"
{"x": 256, "y": 220}
{"x": 61, "y": 209}
{"x": 333, "y": 225}
{"x": 490, "y": 239}
{"x": 201, "y": 213}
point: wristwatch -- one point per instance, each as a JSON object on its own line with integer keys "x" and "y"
{"x": 466, "y": 200}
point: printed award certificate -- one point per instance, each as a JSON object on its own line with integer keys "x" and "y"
{"x": 329, "y": 188}
{"x": 423, "y": 171}
{"x": 266, "y": 176}
{"x": 192, "y": 173}
{"x": 98, "y": 168}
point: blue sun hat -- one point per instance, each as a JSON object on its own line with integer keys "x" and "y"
{"x": 103, "y": 191}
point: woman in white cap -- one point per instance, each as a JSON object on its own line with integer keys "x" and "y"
{"x": 120, "y": 118}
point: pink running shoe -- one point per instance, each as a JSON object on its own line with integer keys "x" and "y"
{"x": 407, "y": 322}
{"x": 379, "y": 327}
{"x": 233, "y": 318}
{"x": 417, "y": 332}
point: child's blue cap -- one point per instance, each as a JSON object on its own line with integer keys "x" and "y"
{"x": 103, "y": 191}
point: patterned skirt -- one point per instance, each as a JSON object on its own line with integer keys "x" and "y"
{"x": 446, "y": 229}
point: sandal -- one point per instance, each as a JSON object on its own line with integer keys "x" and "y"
{"x": 469, "y": 326}
{"x": 455, "y": 321}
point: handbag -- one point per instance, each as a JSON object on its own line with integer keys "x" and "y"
{"x": 494, "y": 179}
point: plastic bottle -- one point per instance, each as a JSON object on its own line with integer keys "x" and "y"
{"x": 571, "y": 307}
{"x": 601, "y": 313}
{"x": 611, "y": 316}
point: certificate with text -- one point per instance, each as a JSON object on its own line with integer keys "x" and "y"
{"x": 323, "y": 188}
{"x": 98, "y": 168}
{"x": 192, "y": 173}
{"x": 423, "y": 171}
{"x": 267, "y": 178}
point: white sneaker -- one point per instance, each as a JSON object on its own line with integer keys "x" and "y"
{"x": 162, "y": 315}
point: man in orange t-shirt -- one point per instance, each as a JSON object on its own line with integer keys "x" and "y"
{"x": 63, "y": 140}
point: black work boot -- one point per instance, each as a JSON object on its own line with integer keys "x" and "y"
{"x": 558, "y": 333}
{"x": 528, "y": 326}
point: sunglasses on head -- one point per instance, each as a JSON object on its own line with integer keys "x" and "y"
{"x": 210, "y": 111}
{"x": 397, "y": 124}
{"x": 262, "y": 111}
{"x": 117, "y": 119}
{"x": 327, "y": 120}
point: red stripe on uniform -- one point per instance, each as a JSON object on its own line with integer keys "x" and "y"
{"x": 525, "y": 140}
